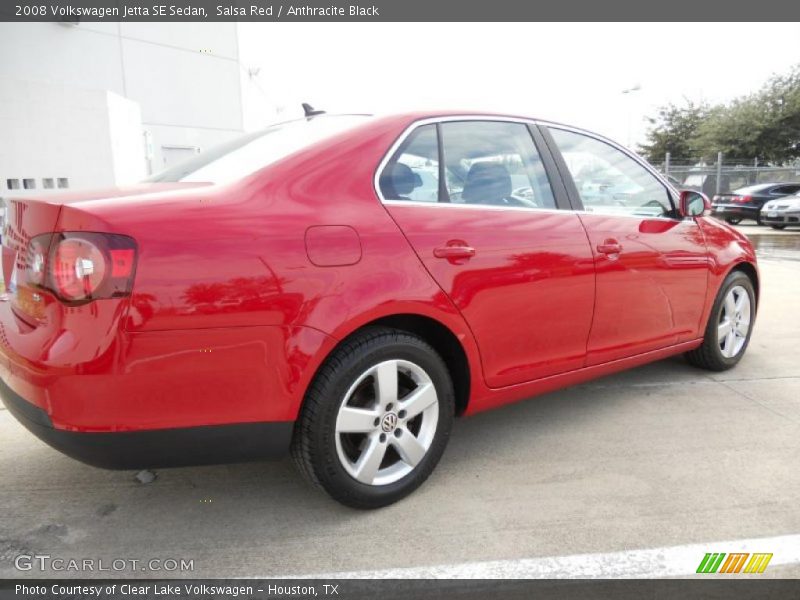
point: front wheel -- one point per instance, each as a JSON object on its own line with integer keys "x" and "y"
{"x": 729, "y": 325}
{"x": 778, "y": 227}
{"x": 376, "y": 419}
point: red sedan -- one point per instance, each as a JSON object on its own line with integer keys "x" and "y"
{"x": 345, "y": 285}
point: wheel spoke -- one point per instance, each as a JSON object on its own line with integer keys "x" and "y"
{"x": 724, "y": 329}
{"x": 742, "y": 328}
{"x": 409, "y": 448}
{"x": 743, "y": 304}
{"x": 370, "y": 460}
{"x": 730, "y": 340}
{"x": 386, "y": 382}
{"x": 730, "y": 305}
{"x": 355, "y": 420}
{"x": 418, "y": 400}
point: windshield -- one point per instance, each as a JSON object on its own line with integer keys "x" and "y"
{"x": 249, "y": 153}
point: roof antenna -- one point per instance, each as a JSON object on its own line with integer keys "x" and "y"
{"x": 310, "y": 112}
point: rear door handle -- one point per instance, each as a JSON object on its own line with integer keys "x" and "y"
{"x": 452, "y": 252}
{"x": 610, "y": 246}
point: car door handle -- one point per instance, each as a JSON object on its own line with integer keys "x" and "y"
{"x": 452, "y": 252}
{"x": 610, "y": 246}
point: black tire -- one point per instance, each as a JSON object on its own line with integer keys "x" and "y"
{"x": 733, "y": 220}
{"x": 758, "y": 220}
{"x": 314, "y": 442}
{"x": 709, "y": 355}
{"x": 778, "y": 227}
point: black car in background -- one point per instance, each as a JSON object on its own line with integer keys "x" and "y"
{"x": 746, "y": 202}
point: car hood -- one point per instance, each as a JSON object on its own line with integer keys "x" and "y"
{"x": 792, "y": 202}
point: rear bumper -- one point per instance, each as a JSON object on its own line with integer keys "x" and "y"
{"x": 142, "y": 449}
{"x": 735, "y": 211}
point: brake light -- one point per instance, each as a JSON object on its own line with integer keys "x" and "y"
{"x": 36, "y": 261}
{"x": 741, "y": 199}
{"x": 78, "y": 269}
{"x": 81, "y": 267}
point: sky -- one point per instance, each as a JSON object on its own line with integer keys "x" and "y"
{"x": 569, "y": 72}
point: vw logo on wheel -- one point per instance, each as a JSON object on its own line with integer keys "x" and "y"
{"x": 389, "y": 422}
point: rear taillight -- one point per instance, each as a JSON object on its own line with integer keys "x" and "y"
{"x": 80, "y": 267}
{"x": 741, "y": 199}
{"x": 36, "y": 259}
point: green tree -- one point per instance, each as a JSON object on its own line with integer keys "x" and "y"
{"x": 763, "y": 125}
{"x": 674, "y": 130}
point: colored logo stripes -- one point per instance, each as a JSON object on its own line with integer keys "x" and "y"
{"x": 716, "y": 562}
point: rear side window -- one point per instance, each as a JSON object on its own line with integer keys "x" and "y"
{"x": 490, "y": 163}
{"x": 413, "y": 172}
{"x": 494, "y": 163}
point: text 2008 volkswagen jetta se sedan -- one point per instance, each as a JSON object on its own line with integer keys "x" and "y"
{"x": 345, "y": 285}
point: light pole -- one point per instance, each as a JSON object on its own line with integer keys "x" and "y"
{"x": 628, "y": 91}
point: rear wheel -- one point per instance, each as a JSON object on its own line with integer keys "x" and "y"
{"x": 729, "y": 326}
{"x": 733, "y": 220}
{"x": 376, "y": 419}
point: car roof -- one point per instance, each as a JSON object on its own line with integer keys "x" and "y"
{"x": 759, "y": 187}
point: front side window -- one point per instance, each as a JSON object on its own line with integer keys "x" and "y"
{"x": 494, "y": 163}
{"x": 413, "y": 172}
{"x": 608, "y": 180}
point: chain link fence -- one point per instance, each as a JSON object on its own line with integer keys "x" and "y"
{"x": 723, "y": 175}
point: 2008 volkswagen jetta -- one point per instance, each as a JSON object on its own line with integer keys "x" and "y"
{"x": 345, "y": 285}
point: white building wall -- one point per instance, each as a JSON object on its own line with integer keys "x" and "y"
{"x": 57, "y": 136}
{"x": 185, "y": 79}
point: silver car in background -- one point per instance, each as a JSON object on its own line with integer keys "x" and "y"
{"x": 781, "y": 213}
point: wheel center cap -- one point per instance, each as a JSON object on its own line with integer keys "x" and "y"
{"x": 389, "y": 422}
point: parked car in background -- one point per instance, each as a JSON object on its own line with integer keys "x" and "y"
{"x": 746, "y": 202}
{"x": 344, "y": 286}
{"x": 782, "y": 213}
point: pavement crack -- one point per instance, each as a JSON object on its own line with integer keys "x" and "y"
{"x": 761, "y": 404}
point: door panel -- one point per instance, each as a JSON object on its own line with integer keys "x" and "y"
{"x": 651, "y": 294}
{"x": 652, "y": 266}
{"x": 528, "y": 291}
{"x": 520, "y": 272}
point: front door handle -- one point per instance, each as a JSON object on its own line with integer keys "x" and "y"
{"x": 454, "y": 252}
{"x": 610, "y": 246}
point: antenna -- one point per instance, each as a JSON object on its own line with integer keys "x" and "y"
{"x": 310, "y": 112}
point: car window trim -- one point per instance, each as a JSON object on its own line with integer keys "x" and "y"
{"x": 443, "y": 194}
{"x": 561, "y": 206}
{"x": 573, "y": 203}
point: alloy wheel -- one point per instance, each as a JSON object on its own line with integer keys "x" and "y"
{"x": 734, "y": 322}
{"x": 386, "y": 422}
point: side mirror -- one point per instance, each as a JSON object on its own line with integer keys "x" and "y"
{"x": 694, "y": 203}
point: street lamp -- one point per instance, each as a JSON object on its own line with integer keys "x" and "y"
{"x": 628, "y": 91}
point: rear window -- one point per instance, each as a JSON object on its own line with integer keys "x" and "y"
{"x": 249, "y": 153}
